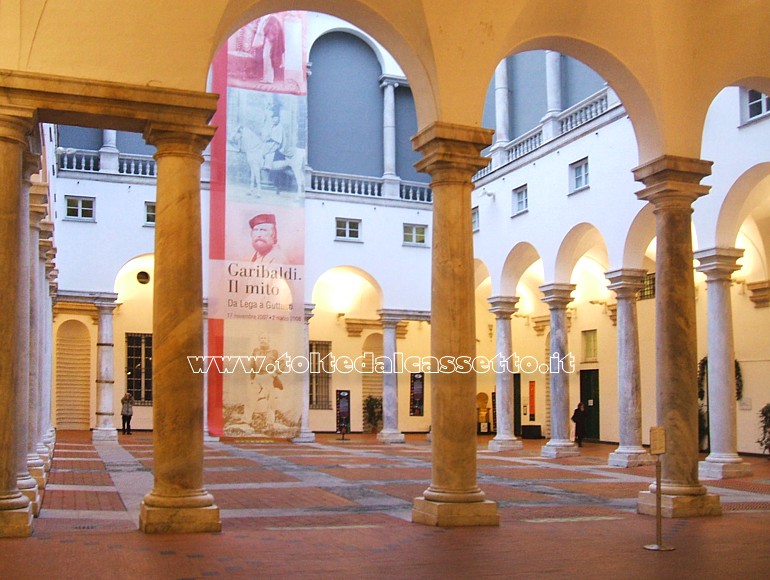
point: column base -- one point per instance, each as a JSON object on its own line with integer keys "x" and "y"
{"x": 28, "y": 487}
{"x": 207, "y": 438}
{"x": 304, "y": 437}
{"x": 390, "y": 437}
{"x": 16, "y": 523}
{"x": 449, "y": 514}
{"x": 715, "y": 470}
{"x": 104, "y": 434}
{"x": 556, "y": 448}
{"x": 630, "y": 458}
{"x": 170, "y": 520}
{"x": 504, "y": 444}
{"x": 39, "y": 474}
{"x": 679, "y": 506}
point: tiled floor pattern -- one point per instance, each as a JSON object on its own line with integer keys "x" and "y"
{"x": 343, "y": 509}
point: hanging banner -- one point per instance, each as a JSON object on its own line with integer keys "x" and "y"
{"x": 257, "y": 241}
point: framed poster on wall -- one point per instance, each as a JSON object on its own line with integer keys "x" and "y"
{"x": 343, "y": 411}
{"x": 417, "y": 395}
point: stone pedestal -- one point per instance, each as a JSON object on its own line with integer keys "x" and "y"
{"x": 170, "y": 520}
{"x": 630, "y": 457}
{"x": 451, "y": 157}
{"x": 672, "y": 184}
{"x": 679, "y": 506}
{"x": 178, "y": 502}
{"x": 447, "y": 514}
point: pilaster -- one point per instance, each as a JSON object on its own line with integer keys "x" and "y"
{"x": 305, "y": 434}
{"x": 105, "y": 374}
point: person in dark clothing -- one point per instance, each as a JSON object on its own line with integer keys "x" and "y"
{"x": 127, "y": 411}
{"x": 579, "y": 418}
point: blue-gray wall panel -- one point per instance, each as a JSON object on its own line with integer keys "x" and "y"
{"x": 406, "y": 127}
{"x": 344, "y": 107}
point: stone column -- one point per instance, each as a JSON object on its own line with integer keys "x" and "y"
{"x": 178, "y": 501}
{"x": 630, "y": 453}
{"x": 551, "y": 126}
{"x": 48, "y": 290}
{"x": 451, "y": 157}
{"x": 105, "y": 375}
{"x": 503, "y": 307}
{"x": 392, "y": 183}
{"x": 15, "y": 125}
{"x": 672, "y": 184}
{"x": 30, "y": 360}
{"x": 723, "y": 461}
{"x": 31, "y": 468}
{"x": 557, "y": 296}
{"x": 390, "y": 432}
{"x": 305, "y": 434}
{"x": 108, "y": 154}
{"x": 502, "y": 114}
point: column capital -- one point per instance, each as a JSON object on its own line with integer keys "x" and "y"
{"x": 16, "y": 123}
{"x": 309, "y": 311}
{"x": 672, "y": 181}
{"x": 393, "y": 316}
{"x": 452, "y": 148}
{"x": 718, "y": 263}
{"x": 626, "y": 282}
{"x": 179, "y": 139}
{"x": 557, "y": 295}
{"x": 503, "y": 306}
{"x": 106, "y": 305}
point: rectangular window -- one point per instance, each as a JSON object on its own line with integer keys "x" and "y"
{"x": 578, "y": 175}
{"x": 348, "y": 229}
{"x": 475, "y": 218}
{"x": 320, "y": 377}
{"x": 139, "y": 367}
{"x": 590, "y": 346}
{"x": 648, "y": 290}
{"x": 80, "y": 208}
{"x": 758, "y": 103}
{"x": 415, "y": 235}
{"x": 519, "y": 200}
{"x": 149, "y": 213}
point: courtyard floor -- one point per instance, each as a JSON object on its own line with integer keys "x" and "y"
{"x": 342, "y": 509}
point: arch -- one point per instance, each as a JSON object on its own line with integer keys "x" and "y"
{"x": 480, "y": 272}
{"x": 582, "y": 239}
{"x": 629, "y": 88}
{"x": 347, "y": 290}
{"x": 519, "y": 259}
{"x": 415, "y": 58}
{"x": 640, "y": 234}
{"x": 748, "y": 192}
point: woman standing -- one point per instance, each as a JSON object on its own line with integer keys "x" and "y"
{"x": 127, "y": 412}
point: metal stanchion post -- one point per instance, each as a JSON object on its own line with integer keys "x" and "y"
{"x": 658, "y": 448}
